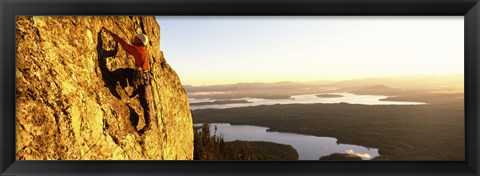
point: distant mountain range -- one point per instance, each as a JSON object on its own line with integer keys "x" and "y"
{"x": 407, "y": 82}
{"x": 370, "y": 86}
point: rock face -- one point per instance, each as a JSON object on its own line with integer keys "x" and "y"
{"x": 72, "y": 93}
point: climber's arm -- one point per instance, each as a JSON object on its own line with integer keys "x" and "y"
{"x": 129, "y": 48}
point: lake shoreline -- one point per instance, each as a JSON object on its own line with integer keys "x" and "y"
{"x": 363, "y": 125}
{"x": 309, "y": 147}
{"x": 332, "y": 98}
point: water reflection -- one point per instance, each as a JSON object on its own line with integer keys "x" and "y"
{"x": 303, "y": 99}
{"x": 308, "y": 147}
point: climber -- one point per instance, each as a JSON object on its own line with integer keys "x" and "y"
{"x": 141, "y": 78}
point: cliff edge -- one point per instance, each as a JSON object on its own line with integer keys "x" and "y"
{"x": 73, "y": 96}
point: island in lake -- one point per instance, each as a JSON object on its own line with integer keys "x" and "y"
{"x": 329, "y": 96}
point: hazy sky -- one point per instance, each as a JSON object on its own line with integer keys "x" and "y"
{"x": 223, "y": 50}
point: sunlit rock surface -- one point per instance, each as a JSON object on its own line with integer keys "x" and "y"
{"x": 72, "y": 99}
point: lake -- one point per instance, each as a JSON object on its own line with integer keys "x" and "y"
{"x": 308, "y": 147}
{"x": 303, "y": 99}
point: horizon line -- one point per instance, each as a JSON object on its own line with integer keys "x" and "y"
{"x": 324, "y": 80}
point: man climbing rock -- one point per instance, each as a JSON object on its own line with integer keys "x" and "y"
{"x": 141, "y": 77}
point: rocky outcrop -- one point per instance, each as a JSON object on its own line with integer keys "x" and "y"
{"x": 72, "y": 93}
{"x": 341, "y": 156}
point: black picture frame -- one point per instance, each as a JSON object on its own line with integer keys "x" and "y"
{"x": 470, "y": 9}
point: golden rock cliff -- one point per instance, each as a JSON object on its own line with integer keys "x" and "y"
{"x": 73, "y": 99}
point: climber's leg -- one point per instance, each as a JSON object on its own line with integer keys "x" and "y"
{"x": 135, "y": 92}
{"x": 137, "y": 82}
{"x": 144, "y": 91}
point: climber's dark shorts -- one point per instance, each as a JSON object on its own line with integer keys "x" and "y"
{"x": 142, "y": 80}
